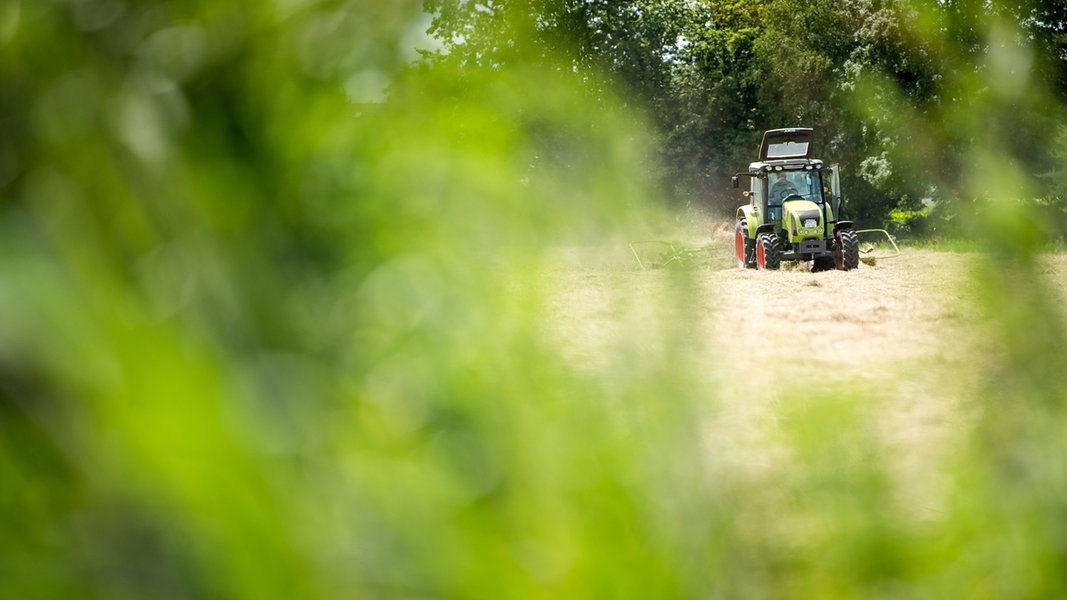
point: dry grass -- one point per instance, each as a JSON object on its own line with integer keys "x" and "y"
{"x": 894, "y": 340}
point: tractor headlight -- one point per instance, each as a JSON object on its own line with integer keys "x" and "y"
{"x": 811, "y": 223}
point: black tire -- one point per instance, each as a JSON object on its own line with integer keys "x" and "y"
{"x": 768, "y": 252}
{"x": 744, "y": 246}
{"x": 849, "y": 243}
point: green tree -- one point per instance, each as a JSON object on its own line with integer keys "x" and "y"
{"x": 712, "y": 121}
{"x": 882, "y": 81}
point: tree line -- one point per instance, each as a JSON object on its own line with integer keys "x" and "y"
{"x": 910, "y": 97}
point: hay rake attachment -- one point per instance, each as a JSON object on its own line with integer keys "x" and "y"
{"x": 675, "y": 255}
{"x": 869, "y": 252}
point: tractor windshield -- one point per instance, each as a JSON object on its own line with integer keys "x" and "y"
{"x": 806, "y": 184}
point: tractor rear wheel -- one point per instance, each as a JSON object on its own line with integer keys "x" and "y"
{"x": 746, "y": 247}
{"x": 768, "y": 252}
{"x": 849, "y": 243}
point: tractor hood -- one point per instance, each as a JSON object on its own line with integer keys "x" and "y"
{"x": 779, "y": 144}
{"x": 803, "y": 218}
{"x": 803, "y": 209}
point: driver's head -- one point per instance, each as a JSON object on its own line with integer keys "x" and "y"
{"x": 781, "y": 177}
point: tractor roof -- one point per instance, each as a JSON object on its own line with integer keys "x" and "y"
{"x": 780, "y": 144}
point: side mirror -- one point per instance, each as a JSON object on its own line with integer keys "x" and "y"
{"x": 733, "y": 180}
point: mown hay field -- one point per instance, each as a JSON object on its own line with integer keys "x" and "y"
{"x": 884, "y": 362}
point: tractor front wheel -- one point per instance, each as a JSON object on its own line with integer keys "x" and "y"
{"x": 768, "y": 252}
{"x": 746, "y": 247}
{"x": 848, "y": 255}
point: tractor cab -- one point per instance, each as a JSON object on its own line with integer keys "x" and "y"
{"x": 785, "y": 172}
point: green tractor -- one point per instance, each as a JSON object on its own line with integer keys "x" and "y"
{"x": 792, "y": 209}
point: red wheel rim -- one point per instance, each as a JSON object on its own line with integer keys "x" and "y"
{"x": 761, "y": 257}
{"x": 740, "y": 249}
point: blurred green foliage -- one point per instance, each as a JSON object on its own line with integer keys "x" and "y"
{"x": 271, "y": 325}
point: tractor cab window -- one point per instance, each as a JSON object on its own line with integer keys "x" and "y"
{"x": 806, "y": 184}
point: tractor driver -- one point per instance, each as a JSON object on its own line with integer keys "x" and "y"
{"x": 782, "y": 188}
